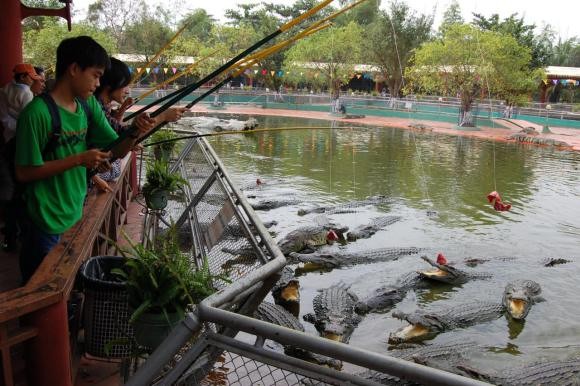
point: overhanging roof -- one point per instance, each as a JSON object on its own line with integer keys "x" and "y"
{"x": 557, "y": 72}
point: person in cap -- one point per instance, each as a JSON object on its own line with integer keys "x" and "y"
{"x": 15, "y": 96}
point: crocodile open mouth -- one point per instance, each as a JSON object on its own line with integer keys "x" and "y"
{"x": 291, "y": 293}
{"x": 333, "y": 337}
{"x": 414, "y": 331}
{"x": 517, "y": 308}
{"x": 434, "y": 273}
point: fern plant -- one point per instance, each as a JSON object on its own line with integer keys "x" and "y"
{"x": 159, "y": 177}
{"x": 163, "y": 279}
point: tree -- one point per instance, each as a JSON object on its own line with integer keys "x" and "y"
{"x": 38, "y": 22}
{"x": 363, "y": 14}
{"x": 114, "y": 16}
{"x": 471, "y": 62}
{"x": 199, "y": 25}
{"x": 540, "y": 46}
{"x": 40, "y": 45}
{"x": 566, "y": 53}
{"x": 332, "y": 53}
{"x": 391, "y": 40}
{"x": 451, "y": 16}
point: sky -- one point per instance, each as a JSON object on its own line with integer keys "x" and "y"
{"x": 562, "y": 15}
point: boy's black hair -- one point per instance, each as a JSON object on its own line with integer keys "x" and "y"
{"x": 116, "y": 77}
{"x": 39, "y": 70}
{"x": 82, "y": 50}
{"x": 18, "y": 77}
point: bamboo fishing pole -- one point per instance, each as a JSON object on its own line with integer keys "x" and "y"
{"x": 315, "y": 27}
{"x": 179, "y": 94}
{"x": 158, "y": 54}
{"x": 264, "y": 130}
{"x": 176, "y": 76}
{"x": 256, "y": 57}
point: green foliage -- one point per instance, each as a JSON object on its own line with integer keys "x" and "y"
{"x": 451, "y": 16}
{"x": 40, "y": 45}
{"x": 471, "y": 62}
{"x": 566, "y": 53}
{"x": 39, "y": 22}
{"x": 159, "y": 177}
{"x": 164, "y": 135}
{"x": 514, "y": 26}
{"x": 333, "y": 53}
{"x": 391, "y": 40}
{"x": 162, "y": 279}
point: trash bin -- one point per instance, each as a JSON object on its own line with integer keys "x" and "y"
{"x": 106, "y": 310}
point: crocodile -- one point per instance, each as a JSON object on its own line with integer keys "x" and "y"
{"x": 348, "y": 206}
{"x": 557, "y": 373}
{"x": 236, "y": 230}
{"x": 384, "y": 298}
{"x": 336, "y": 259}
{"x": 526, "y": 138}
{"x": 309, "y": 237}
{"x": 550, "y": 262}
{"x": 286, "y": 291}
{"x": 272, "y": 204}
{"x": 275, "y": 314}
{"x": 448, "y": 274}
{"x": 367, "y": 230}
{"x": 518, "y": 298}
{"x": 441, "y": 356}
{"x": 334, "y": 316}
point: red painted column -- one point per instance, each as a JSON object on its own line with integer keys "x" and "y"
{"x": 48, "y": 358}
{"x": 11, "y": 32}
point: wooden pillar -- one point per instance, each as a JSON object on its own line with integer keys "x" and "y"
{"x": 11, "y": 32}
{"x": 49, "y": 354}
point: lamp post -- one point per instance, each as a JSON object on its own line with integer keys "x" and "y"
{"x": 546, "y": 128}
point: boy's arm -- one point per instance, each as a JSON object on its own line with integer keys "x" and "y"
{"x": 89, "y": 159}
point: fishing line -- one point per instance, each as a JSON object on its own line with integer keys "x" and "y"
{"x": 423, "y": 178}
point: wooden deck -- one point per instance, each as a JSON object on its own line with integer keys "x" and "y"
{"x": 27, "y": 314}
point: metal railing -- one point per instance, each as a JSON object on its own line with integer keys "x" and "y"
{"x": 207, "y": 347}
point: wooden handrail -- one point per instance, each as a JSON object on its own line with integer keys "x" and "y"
{"x": 54, "y": 278}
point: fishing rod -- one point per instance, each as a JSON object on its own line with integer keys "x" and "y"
{"x": 256, "y": 57}
{"x": 315, "y": 27}
{"x": 176, "y": 76}
{"x": 158, "y": 54}
{"x": 179, "y": 94}
{"x": 265, "y": 130}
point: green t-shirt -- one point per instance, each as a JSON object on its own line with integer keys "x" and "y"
{"x": 56, "y": 203}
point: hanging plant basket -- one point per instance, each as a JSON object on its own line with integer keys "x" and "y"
{"x": 156, "y": 199}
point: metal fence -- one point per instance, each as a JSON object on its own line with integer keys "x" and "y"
{"x": 218, "y": 343}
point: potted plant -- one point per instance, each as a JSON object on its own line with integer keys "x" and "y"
{"x": 160, "y": 182}
{"x": 163, "y": 151}
{"x": 161, "y": 283}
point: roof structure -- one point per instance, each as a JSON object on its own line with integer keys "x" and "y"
{"x": 557, "y": 72}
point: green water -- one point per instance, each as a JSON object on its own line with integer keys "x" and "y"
{"x": 449, "y": 175}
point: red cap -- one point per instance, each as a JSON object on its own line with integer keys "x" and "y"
{"x": 441, "y": 260}
{"x": 25, "y": 68}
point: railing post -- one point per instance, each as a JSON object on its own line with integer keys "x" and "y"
{"x": 49, "y": 352}
{"x": 133, "y": 174}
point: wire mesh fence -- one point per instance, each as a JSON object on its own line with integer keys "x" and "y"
{"x": 207, "y": 348}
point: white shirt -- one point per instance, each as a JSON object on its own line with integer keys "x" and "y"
{"x": 13, "y": 98}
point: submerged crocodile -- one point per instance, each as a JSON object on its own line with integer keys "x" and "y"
{"x": 384, "y": 298}
{"x": 448, "y": 274}
{"x": 518, "y": 298}
{"x": 339, "y": 259}
{"x": 550, "y": 262}
{"x": 310, "y": 237}
{"x": 272, "y": 204}
{"x": 286, "y": 291}
{"x": 334, "y": 316}
{"x": 526, "y": 138}
{"x": 376, "y": 224}
{"x": 441, "y": 356}
{"x": 557, "y": 373}
{"x": 347, "y": 206}
{"x": 275, "y": 314}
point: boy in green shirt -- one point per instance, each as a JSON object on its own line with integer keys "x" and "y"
{"x": 56, "y": 180}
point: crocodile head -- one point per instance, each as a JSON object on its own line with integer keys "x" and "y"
{"x": 315, "y": 260}
{"x": 384, "y": 299}
{"x": 336, "y": 328}
{"x": 421, "y": 326}
{"x": 519, "y": 296}
{"x": 443, "y": 273}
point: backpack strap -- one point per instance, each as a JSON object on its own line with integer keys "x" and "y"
{"x": 56, "y": 125}
{"x": 56, "y": 132}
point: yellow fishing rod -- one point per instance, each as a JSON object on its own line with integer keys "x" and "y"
{"x": 252, "y": 131}
{"x": 158, "y": 54}
{"x": 176, "y": 76}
